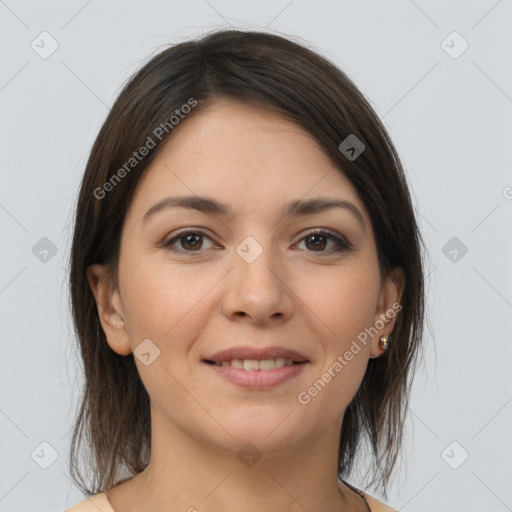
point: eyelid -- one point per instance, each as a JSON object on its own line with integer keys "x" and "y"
{"x": 181, "y": 233}
{"x": 324, "y": 231}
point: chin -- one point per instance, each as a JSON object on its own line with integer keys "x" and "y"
{"x": 266, "y": 427}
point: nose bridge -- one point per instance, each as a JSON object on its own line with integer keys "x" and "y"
{"x": 257, "y": 261}
{"x": 257, "y": 286}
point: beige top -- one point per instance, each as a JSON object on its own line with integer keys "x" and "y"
{"x": 100, "y": 503}
{"x": 96, "y": 503}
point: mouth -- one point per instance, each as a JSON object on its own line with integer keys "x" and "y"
{"x": 257, "y": 364}
{"x": 257, "y": 374}
{"x": 257, "y": 368}
{"x": 256, "y": 358}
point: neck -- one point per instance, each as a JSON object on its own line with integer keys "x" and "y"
{"x": 186, "y": 473}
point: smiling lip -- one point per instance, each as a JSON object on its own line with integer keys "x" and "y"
{"x": 256, "y": 353}
{"x": 257, "y": 379}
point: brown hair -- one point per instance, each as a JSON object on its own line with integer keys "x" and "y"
{"x": 306, "y": 88}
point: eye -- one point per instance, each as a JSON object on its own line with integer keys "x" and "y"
{"x": 319, "y": 238}
{"x": 190, "y": 241}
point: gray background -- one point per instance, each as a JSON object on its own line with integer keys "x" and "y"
{"x": 450, "y": 117}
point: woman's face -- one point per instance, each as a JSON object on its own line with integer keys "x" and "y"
{"x": 194, "y": 282}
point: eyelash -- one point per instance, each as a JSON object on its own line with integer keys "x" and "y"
{"x": 341, "y": 244}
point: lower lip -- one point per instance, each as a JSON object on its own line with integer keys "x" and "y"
{"x": 258, "y": 379}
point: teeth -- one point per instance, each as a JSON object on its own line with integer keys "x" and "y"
{"x": 254, "y": 364}
{"x": 251, "y": 364}
{"x": 265, "y": 364}
{"x": 280, "y": 362}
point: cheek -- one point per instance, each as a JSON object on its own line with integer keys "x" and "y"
{"x": 164, "y": 303}
{"x": 345, "y": 301}
{"x": 347, "y": 306}
{"x": 168, "y": 307}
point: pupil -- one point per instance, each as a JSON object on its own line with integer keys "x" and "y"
{"x": 316, "y": 237}
{"x": 190, "y": 237}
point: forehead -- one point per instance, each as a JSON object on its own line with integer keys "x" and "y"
{"x": 243, "y": 155}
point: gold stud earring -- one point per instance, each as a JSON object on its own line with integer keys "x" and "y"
{"x": 384, "y": 342}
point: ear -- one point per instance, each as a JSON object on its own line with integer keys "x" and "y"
{"x": 110, "y": 310}
{"x": 387, "y": 309}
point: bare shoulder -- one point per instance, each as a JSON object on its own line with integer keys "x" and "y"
{"x": 376, "y": 505}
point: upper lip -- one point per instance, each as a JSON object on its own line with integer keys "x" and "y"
{"x": 256, "y": 353}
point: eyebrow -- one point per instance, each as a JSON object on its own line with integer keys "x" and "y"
{"x": 294, "y": 208}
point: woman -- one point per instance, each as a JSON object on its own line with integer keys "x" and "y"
{"x": 247, "y": 286}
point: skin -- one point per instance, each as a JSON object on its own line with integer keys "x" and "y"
{"x": 295, "y": 294}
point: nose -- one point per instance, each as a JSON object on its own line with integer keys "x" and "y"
{"x": 260, "y": 290}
